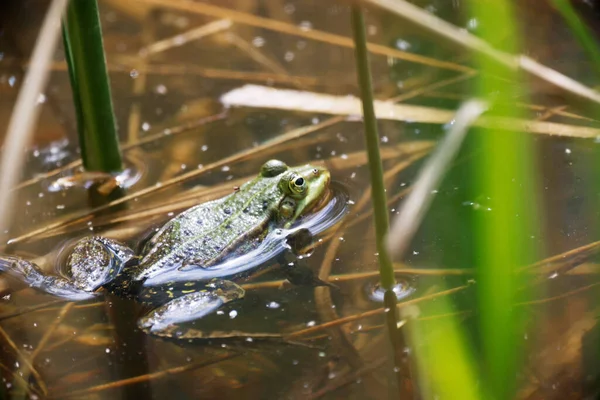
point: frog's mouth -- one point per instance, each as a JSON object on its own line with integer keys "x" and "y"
{"x": 328, "y": 208}
{"x": 320, "y": 202}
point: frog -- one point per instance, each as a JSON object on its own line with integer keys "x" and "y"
{"x": 190, "y": 266}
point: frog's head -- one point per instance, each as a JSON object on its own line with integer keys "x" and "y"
{"x": 305, "y": 189}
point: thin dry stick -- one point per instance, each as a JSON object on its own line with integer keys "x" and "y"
{"x": 141, "y": 64}
{"x": 377, "y": 327}
{"x": 25, "y": 310}
{"x": 69, "y": 338}
{"x": 356, "y": 317}
{"x": 291, "y": 135}
{"x": 139, "y": 87}
{"x": 387, "y": 176}
{"x": 245, "y": 76}
{"x": 428, "y": 88}
{"x": 560, "y": 296}
{"x": 258, "y": 96}
{"x": 26, "y": 111}
{"x": 283, "y": 27}
{"x": 255, "y": 54}
{"x": 258, "y": 56}
{"x": 366, "y": 275}
{"x": 348, "y": 379}
{"x": 47, "y": 307}
{"x": 399, "y": 270}
{"x": 534, "y": 107}
{"x": 186, "y": 37}
{"x": 148, "y": 377}
{"x": 24, "y": 361}
{"x": 567, "y": 258}
{"x": 548, "y": 113}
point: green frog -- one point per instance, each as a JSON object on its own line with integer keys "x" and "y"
{"x": 189, "y": 267}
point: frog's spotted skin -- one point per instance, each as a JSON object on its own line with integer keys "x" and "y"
{"x": 200, "y": 237}
{"x": 206, "y": 233}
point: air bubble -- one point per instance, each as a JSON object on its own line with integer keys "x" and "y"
{"x": 402, "y": 290}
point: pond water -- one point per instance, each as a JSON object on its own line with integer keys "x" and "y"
{"x": 183, "y": 148}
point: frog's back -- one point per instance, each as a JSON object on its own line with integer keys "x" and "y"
{"x": 207, "y": 232}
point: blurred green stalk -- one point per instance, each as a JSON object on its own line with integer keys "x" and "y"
{"x": 84, "y": 53}
{"x": 380, "y": 209}
{"x": 504, "y": 174}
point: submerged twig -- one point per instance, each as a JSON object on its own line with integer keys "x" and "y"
{"x": 186, "y": 37}
{"x": 560, "y": 296}
{"x": 348, "y": 379}
{"x": 436, "y": 85}
{"x": 148, "y": 377}
{"x": 533, "y": 107}
{"x": 25, "y": 310}
{"x": 377, "y": 311}
{"x": 127, "y": 63}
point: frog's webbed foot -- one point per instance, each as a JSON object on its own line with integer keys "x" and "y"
{"x": 30, "y": 274}
{"x": 163, "y": 320}
{"x": 92, "y": 262}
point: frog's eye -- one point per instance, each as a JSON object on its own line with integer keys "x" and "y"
{"x": 293, "y": 184}
{"x": 297, "y": 184}
{"x": 273, "y": 168}
{"x": 315, "y": 171}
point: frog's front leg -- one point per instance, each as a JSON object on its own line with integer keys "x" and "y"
{"x": 163, "y": 320}
{"x": 93, "y": 262}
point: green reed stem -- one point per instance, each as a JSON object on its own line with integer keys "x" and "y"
{"x": 386, "y": 270}
{"x": 84, "y": 53}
